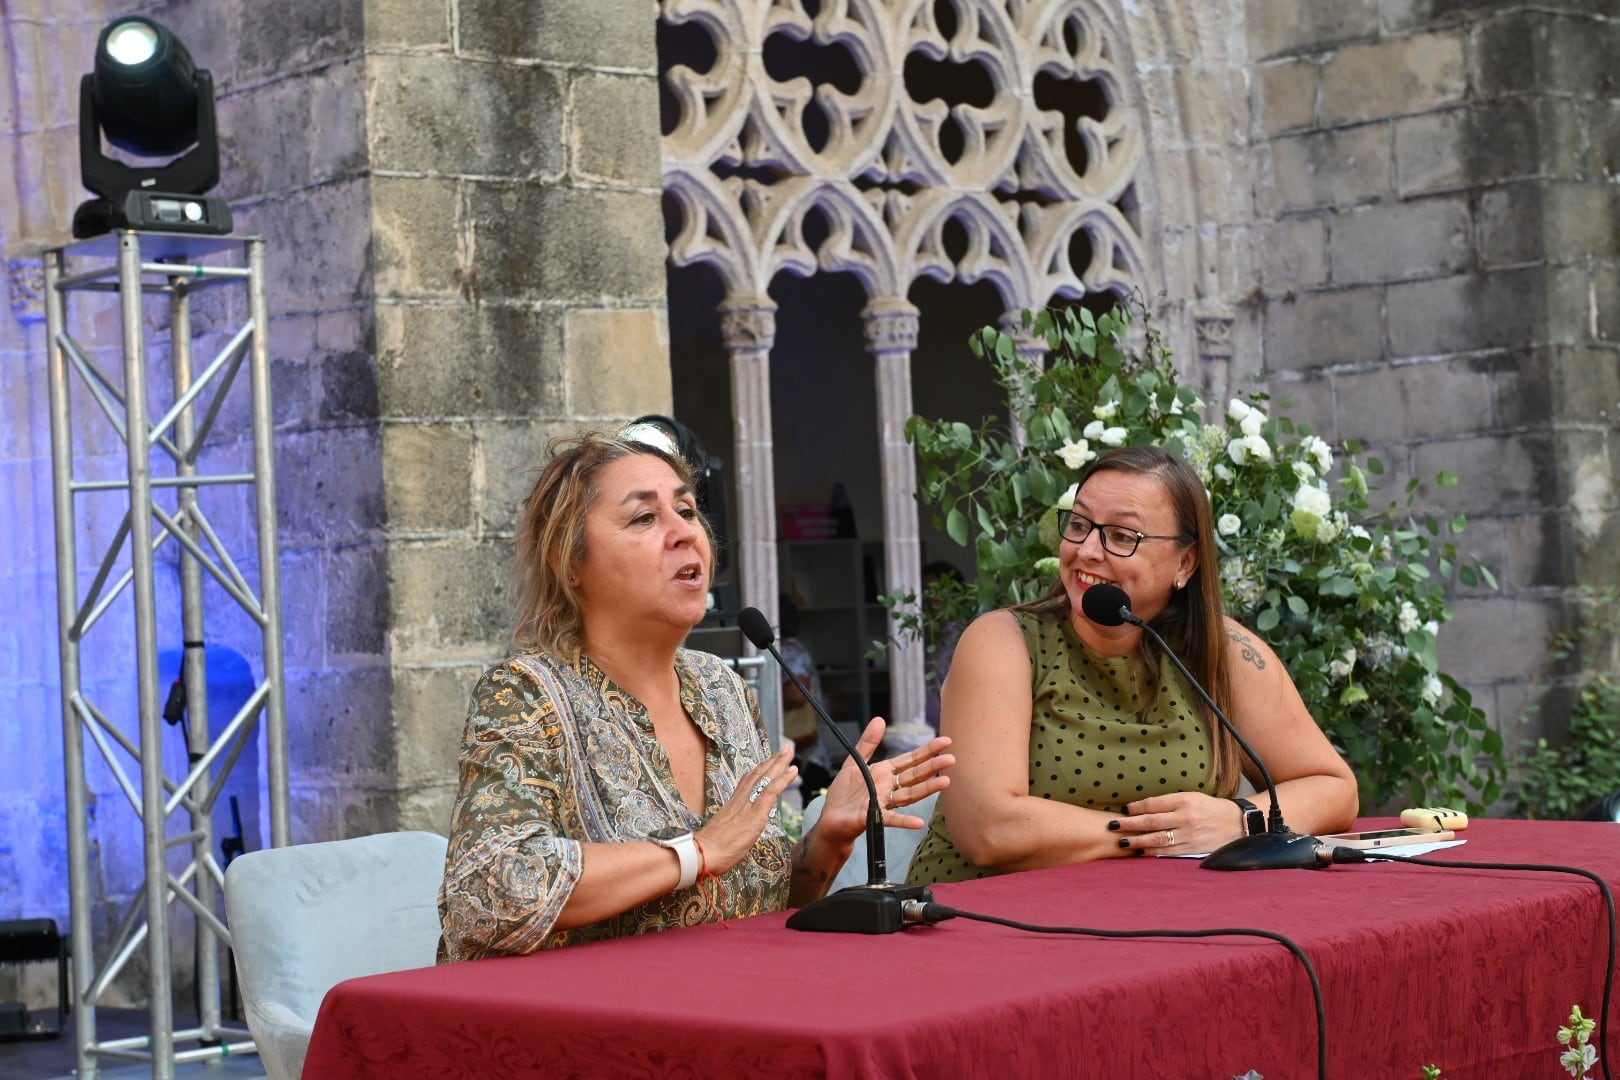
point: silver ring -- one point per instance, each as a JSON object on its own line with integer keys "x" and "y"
{"x": 1171, "y": 833}
{"x": 759, "y": 789}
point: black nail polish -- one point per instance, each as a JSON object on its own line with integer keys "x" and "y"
{"x": 1124, "y": 842}
{"x": 1113, "y": 826}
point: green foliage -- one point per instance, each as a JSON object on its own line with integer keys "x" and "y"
{"x": 1350, "y": 598}
{"x": 1558, "y": 781}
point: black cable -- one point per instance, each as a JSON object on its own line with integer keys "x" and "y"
{"x": 933, "y": 912}
{"x": 1348, "y": 855}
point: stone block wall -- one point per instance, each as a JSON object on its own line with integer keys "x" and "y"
{"x": 519, "y": 258}
{"x": 460, "y": 200}
{"x": 1441, "y": 175}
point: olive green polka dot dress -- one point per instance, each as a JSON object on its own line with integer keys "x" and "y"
{"x": 1087, "y": 745}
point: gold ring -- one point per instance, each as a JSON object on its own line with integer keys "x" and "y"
{"x": 1171, "y": 833}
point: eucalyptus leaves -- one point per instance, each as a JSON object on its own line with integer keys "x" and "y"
{"x": 1351, "y": 599}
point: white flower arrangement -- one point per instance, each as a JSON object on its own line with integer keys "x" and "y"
{"x": 1351, "y": 599}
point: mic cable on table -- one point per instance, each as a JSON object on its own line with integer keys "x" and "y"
{"x": 933, "y": 912}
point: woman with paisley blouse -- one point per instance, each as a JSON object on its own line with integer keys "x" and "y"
{"x": 613, "y": 782}
{"x": 1078, "y": 741}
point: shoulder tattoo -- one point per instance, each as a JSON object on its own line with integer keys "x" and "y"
{"x": 1250, "y": 653}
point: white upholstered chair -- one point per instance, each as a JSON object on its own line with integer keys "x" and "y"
{"x": 899, "y": 845}
{"x": 306, "y": 917}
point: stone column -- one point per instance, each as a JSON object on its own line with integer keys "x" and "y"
{"x": 891, "y": 336}
{"x": 1031, "y": 349}
{"x": 748, "y": 327}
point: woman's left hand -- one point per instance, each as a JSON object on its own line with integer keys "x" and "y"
{"x": 1185, "y": 823}
{"x": 901, "y": 781}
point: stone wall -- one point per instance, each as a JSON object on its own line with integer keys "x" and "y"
{"x": 461, "y": 205}
{"x": 519, "y": 259}
{"x": 1441, "y": 176}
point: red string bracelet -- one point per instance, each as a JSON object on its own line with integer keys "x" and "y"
{"x": 718, "y": 903}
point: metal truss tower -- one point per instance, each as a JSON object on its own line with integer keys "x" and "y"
{"x": 162, "y": 506}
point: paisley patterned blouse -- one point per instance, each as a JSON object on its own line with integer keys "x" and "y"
{"x": 556, "y": 755}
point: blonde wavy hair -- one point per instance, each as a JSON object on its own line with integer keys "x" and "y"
{"x": 551, "y": 538}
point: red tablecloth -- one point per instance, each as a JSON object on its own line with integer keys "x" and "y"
{"x": 1470, "y": 970}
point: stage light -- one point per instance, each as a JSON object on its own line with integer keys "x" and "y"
{"x": 149, "y": 99}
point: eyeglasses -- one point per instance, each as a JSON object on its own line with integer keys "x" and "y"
{"x": 1116, "y": 539}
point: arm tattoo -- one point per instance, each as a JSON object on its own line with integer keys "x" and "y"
{"x": 802, "y": 868}
{"x": 1250, "y": 653}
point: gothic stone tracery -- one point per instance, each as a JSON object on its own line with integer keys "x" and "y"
{"x": 954, "y": 140}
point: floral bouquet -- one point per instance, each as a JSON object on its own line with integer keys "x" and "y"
{"x": 1352, "y": 599}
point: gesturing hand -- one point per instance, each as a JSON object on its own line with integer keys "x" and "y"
{"x": 901, "y": 781}
{"x": 736, "y": 827}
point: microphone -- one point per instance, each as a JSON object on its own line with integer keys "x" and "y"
{"x": 1279, "y": 847}
{"x": 878, "y": 907}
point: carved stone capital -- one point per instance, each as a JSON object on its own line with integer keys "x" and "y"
{"x": 26, "y": 280}
{"x": 1212, "y": 331}
{"x": 890, "y": 326}
{"x": 748, "y": 323}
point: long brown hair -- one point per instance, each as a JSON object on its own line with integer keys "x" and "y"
{"x": 551, "y": 538}
{"x": 1194, "y": 621}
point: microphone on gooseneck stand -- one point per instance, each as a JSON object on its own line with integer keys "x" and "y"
{"x": 873, "y": 908}
{"x": 1279, "y": 847}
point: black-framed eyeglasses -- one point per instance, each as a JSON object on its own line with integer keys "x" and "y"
{"x": 1118, "y": 540}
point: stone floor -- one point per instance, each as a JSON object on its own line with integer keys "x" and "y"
{"x": 56, "y": 1059}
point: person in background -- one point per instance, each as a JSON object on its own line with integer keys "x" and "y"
{"x": 814, "y": 758}
{"x": 613, "y": 782}
{"x": 1079, "y": 741}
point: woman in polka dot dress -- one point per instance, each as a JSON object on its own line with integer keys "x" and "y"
{"x": 1078, "y": 741}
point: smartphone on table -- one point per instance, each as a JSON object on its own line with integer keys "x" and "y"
{"x": 1378, "y": 838}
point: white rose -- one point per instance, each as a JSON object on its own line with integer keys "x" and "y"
{"x": 1175, "y": 406}
{"x": 1223, "y": 473}
{"x": 1106, "y": 410}
{"x": 1341, "y": 668}
{"x": 1094, "y": 429}
{"x": 1066, "y": 500}
{"x": 1407, "y": 620}
{"x": 1229, "y": 525}
{"x": 1432, "y": 627}
{"x": 1321, "y": 451}
{"x": 1253, "y": 422}
{"x": 1237, "y": 409}
{"x": 1313, "y": 500}
{"x": 1258, "y": 446}
{"x": 1075, "y": 454}
{"x": 1432, "y": 689}
{"x": 1114, "y": 436}
{"x": 1238, "y": 451}
{"x": 1303, "y": 472}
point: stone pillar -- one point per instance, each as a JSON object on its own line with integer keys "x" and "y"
{"x": 748, "y": 327}
{"x": 891, "y": 336}
{"x": 1031, "y": 350}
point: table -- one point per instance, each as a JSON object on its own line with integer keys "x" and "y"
{"x": 1471, "y": 970}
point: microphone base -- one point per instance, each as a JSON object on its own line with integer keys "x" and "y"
{"x": 859, "y": 909}
{"x": 1267, "y": 851}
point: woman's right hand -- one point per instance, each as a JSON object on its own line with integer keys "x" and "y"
{"x": 736, "y": 827}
